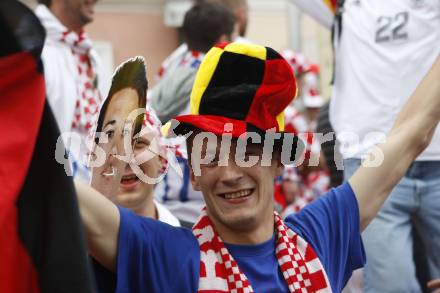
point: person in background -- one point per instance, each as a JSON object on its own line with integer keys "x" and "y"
{"x": 330, "y": 147}
{"x": 71, "y": 70}
{"x": 133, "y": 192}
{"x": 135, "y": 182}
{"x": 299, "y": 191}
{"x": 240, "y": 10}
{"x": 300, "y": 118}
{"x": 376, "y": 41}
{"x": 129, "y": 185}
{"x": 205, "y": 24}
{"x": 287, "y": 189}
{"x": 312, "y": 100}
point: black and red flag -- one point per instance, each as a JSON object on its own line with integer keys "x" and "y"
{"x": 42, "y": 247}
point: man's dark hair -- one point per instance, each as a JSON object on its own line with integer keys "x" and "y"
{"x": 130, "y": 74}
{"x": 205, "y": 23}
{"x": 232, "y": 5}
{"x": 45, "y": 2}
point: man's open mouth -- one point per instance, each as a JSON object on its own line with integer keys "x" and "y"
{"x": 129, "y": 179}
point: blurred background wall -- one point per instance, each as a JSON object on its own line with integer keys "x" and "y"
{"x": 125, "y": 28}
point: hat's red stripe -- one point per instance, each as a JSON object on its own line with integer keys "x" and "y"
{"x": 278, "y": 87}
{"x": 214, "y": 124}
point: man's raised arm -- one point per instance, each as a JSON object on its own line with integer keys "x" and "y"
{"x": 410, "y": 135}
{"x": 101, "y": 221}
{"x": 320, "y": 10}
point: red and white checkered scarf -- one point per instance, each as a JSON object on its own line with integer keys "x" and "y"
{"x": 89, "y": 98}
{"x": 219, "y": 272}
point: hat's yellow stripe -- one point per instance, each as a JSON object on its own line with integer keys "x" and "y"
{"x": 280, "y": 120}
{"x": 203, "y": 77}
{"x": 280, "y": 117}
{"x": 247, "y": 49}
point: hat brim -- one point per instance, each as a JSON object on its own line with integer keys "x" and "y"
{"x": 220, "y": 125}
{"x": 217, "y": 125}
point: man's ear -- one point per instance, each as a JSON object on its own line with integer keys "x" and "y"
{"x": 194, "y": 179}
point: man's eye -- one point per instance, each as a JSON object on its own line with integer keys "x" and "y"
{"x": 110, "y": 133}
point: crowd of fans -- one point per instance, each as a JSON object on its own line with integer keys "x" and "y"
{"x": 372, "y": 81}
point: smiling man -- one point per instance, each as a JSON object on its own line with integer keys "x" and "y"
{"x": 239, "y": 244}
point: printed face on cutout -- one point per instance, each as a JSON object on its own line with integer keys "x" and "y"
{"x": 115, "y": 129}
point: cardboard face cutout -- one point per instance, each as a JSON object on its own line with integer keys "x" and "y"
{"x": 120, "y": 119}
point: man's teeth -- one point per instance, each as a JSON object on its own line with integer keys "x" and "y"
{"x": 129, "y": 177}
{"x": 237, "y": 194}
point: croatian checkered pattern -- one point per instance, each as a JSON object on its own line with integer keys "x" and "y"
{"x": 237, "y": 281}
{"x": 297, "y": 124}
{"x": 89, "y": 99}
{"x": 309, "y": 71}
{"x": 152, "y": 121}
{"x": 299, "y": 63}
{"x": 315, "y": 183}
{"x": 184, "y": 58}
{"x": 219, "y": 272}
{"x": 310, "y": 187}
{"x": 294, "y": 121}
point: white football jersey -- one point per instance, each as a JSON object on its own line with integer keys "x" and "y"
{"x": 385, "y": 50}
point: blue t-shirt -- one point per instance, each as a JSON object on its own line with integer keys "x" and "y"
{"x": 156, "y": 257}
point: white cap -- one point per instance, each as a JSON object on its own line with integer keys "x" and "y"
{"x": 310, "y": 95}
